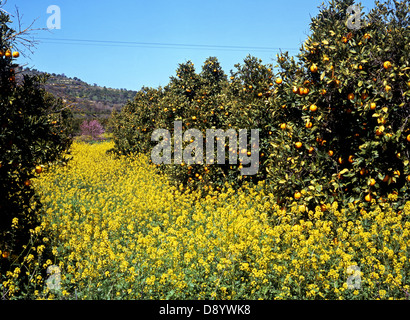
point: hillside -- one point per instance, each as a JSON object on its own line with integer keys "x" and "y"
{"x": 88, "y": 99}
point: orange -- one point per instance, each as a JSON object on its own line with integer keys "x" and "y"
{"x": 387, "y": 65}
{"x": 8, "y": 54}
{"x": 16, "y": 54}
{"x": 368, "y": 197}
{"x": 350, "y": 96}
{"x": 283, "y": 126}
{"x": 408, "y": 138}
{"x": 330, "y": 152}
{"x": 1, "y": 53}
{"x": 297, "y": 195}
{"x": 278, "y": 81}
{"x": 250, "y": 86}
{"x": 323, "y": 92}
{"x": 350, "y": 159}
{"x": 313, "y": 108}
{"x": 363, "y": 171}
{"x": 311, "y": 149}
{"x": 232, "y": 78}
{"x": 387, "y": 88}
{"x": 309, "y": 124}
{"x": 372, "y": 106}
{"x": 386, "y": 178}
{"x": 301, "y": 91}
{"x": 295, "y": 89}
{"x": 5, "y": 254}
{"x": 260, "y": 94}
{"x": 313, "y": 68}
{"x": 408, "y": 178}
{"x": 397, "y": 173}
{"x": 340, "y": 160}
{"x": 305, "y": 91}
{"x": 298, "y": 145}
{"x": 27, "y": 183}
{"x": 39, "y": 169}
{"x": 372, "y": 182}
{"x": 193, "y": 118}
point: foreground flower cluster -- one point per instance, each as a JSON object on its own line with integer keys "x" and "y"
{"x": 119, "y": 230}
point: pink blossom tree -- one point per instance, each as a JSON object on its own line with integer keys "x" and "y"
{"x": 92, "y": 129}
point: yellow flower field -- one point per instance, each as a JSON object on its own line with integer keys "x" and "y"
{"x": 119, "y": 230}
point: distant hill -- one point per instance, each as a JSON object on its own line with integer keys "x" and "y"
{"x": 89, "y": 100}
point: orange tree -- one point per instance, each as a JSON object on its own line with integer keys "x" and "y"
{"x": 248, "y": 96}
{"x": 34, "y": 132}
{"x": 133, "y": 125}
{"x": 350, "y": 93}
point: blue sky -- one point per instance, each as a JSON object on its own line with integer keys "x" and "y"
{"x": 157, "y": 35}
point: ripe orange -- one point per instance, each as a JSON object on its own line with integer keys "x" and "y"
{"x": 372, "y": 182}
{"x": 350, "y": 159}
{"x": 232, "y": 78}
{"x": 193, "y": 118}
{"x": 39, "y": 169}
{"x": 295, "y": 89}
{"x": 260, "y": 94}
{"x": 8, "y": 54}
{"x": 372, "y": 106}
{"x": 387, "y": 65}
{"x": 305, "y": 91}
{"x": 297, "y": 195}
{"x": 1, "y": 54}
{"x": 309, "y": 124}
{"x": 330, "y": 152}
{"x": 5, "y": 254}
{"x": 301, "y": 91}
{"x": 311, "y": 149}
{"x": 313, "y": 108}
{"x": 298, "y": 145}
{"x": 397, "y": 173}
{"x": 313, "y": 68}
{"x": 350, "y": 96}
{"x": 408, "y": 138}
{"x": 27, "y": 183}
{"x": 368, "y": 197}
{"x": 408, "y": 178}
{"x": 386, "y": 178}
{"x": 16, "y": 54}
{"x": 379, "y": 132}
{"x": 250, "y": 86}
{"x": 340, "y": 160}
{"x": 278, "y": 81}
{"x": 283, "y": 126}
{"x": 363, "y": 171}
{"x": 387, "y": 88}
{"x": 323, "y": 92}
{"x": 344, "y": 39}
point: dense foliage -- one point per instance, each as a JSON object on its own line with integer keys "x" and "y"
{"x": 34, "y": 133}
